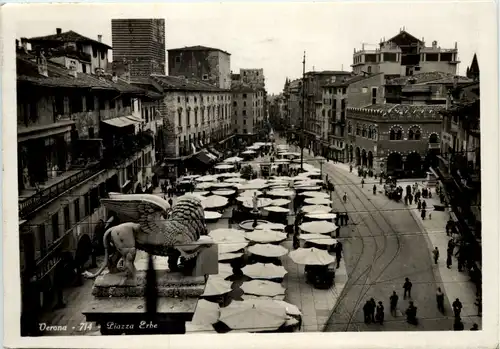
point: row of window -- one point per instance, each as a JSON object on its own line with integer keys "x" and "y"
{"x": 222, "y": 111}
{"x": 204, "y": 99}
{"x": 257, "y": 103}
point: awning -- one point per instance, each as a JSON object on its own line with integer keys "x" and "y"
{"x": 204, "y": 158}
{"x": 211, "y": 156}
{"x": 121, "y": 121}
{"x": 216, "y": 153}
{"x": 193, "y": 148}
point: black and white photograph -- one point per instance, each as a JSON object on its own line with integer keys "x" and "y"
{"x": 263, "y": 168}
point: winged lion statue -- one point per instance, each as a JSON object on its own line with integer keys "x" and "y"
{"x": 152, "y": 226}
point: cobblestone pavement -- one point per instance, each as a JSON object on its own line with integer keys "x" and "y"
{"x": 383, "y": 244}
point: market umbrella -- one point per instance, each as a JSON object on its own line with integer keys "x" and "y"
{"x": 291, "y": 309}
{"x": 316, "y": 209}
{"x": 233, "y": 160}
{"x": 249, "y": 152}
{"x": 210, "y": 215}
{"x": 309, "y": 181}
{"x": 268, "y": 250}
{"x": 185, "y": 181}
{"x": 216, "y": 286}
{"x": 321, "y": 216}
{"x": 281, "y": 161}
{"x": 250, "y": 193}
{"x": 208, "y": 178}
{"x": 191, "y": 177}
{"x": 280, "y": 202}
{"x": 249, "y": 297}
{"x": 224, "y": 192}
{"x": 307, "y": 188}
{"x": 206, "y": 313}
{"x": 251, "y": 316}
{"x": 279, "y": 184}
{"x": 229, "y": 175}
{"x": 318, "y": 239}
{"x": 222, "y": 185}
{"x": 214, "y": 201}
{"x": 264, "y": 271}
{"x": 228, "y": 240}
{"x": 204, "y": 185}
{"x": 255, "y": 184}
{"x": 315, "y": 194}
{"x": 224, "y": 167}
{"x": 265, "y": 236}
{"x": 280, "y": 193}
{"x": 317, "y": 201}
{"x": 261, "y": 202}
{"x": 271, "y": 226}
{"x": 262, "y": 288}
{"x": 318, "y": 227}
{"x": 235, "y": 180}
{"x": 229, "y": 256}
{"x": 277, "y": 209}
{"x": 281, "y": 178}
{"x": 311, "y": 256}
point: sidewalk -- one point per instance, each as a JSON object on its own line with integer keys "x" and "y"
{"x": 453, "y": 283}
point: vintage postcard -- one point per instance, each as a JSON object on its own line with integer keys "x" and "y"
{"x": 268, "y": 174}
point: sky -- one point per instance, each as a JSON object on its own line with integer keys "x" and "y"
{"x": 274, "y": 36}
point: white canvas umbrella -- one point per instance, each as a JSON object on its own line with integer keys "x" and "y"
{"x": 318, "y": 227}
{"x": 206, "y": 313}
{"x": 214, "y": 201}
{"x": 229, "y": 256}
{"x": 229, "y": 175}
{"x": 315, "y": 194}
{"x": 291, "y": 309}
{"x": 279, "y": 185}
{"x": 234, "y": 159}
{"x": 316, "y": 209}
{"x": 280, "y": 202}
{"x": 185, "y": 181}
{"x": 321, "y": 216}
{"x": 222, "y": 185}
{"x": 268, "y": 250}
{"x": 210, "y": 215}
{"x": 282, "y": 161}
{"x": 255, "y": 184}
{"x": 318, "y": 239}
{"x": 224, "y": 167}
{"x": 262, "y": 288}
{"x": 209, "y": 178}
{"x": 261, "y": 202}
{"x": 235, "y": 180}
{"x": 224, "y": 192}
{"x": 271, "y": 226}
{"x": 250, "y": 193}
{"x": 317, "y": 201}
{"x": 311, "y": 256}
{"x": 216, "y": 286}
{"x": 252, "y": 316}
{"x": 308, "y": 188}
{"x": 250, "y": 297}
{"x": 277, "y": 209}
{"x": 281, "y": 178}
{"x": 228, "y": 240}
{"x": 204, "y": 185}
{"x": 191, "y": 177}
{"x": 248, "y": 152}
{"x": 309, "y": 182}
{"x": 263, "y": 271}
{"x": 280, "y": 193}
{"x": 265, "y": 236}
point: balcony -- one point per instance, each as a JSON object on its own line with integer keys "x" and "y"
{"x": 117, "y": 152}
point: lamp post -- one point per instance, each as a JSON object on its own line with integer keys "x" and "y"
{"x": 303, "y": 112}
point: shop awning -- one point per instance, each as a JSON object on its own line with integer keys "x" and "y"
{"x": 215, "y": 152}
{"x": 121, "y": 121}
{"x": 211, "y": 156}
{"x": 204, "y": 158}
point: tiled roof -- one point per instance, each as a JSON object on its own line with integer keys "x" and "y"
{"x": 198, "y": 48}
{"x": 434, "y": 77}
{"x": 347, "y": 81}
{"x": 329, "y": 72}
{"x": 401, "y": 111}
{"x": 58, "y": 76}
{"x": 241, "y": 87}
{"x": 69, "y": 36}
{"x": 177, "y": 83}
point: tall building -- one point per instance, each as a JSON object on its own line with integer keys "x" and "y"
{"x": 138, "y": 47}
{"x": 253, "y": 77}
{"x": 208, "y": 64}
{"x": 248, "y": 109}
{"x": 405, "y": 55}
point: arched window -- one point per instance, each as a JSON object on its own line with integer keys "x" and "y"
{"x": 358, "y": 130}
{"x": 369, "y": 69}
{"x": 418, "y": 135}
{"x": 374, "y": 134}
{"x": 392, "y": 135}
{"x": 349, "y": 128}
{"x": 414, "y": 133}
{"x": 410, "y": 134}
{"x": 433, "y": 138}
{"x": 399, "y": 135}
{"x": 370, "y": 130}
{"x": 323, "y": 112}
{"x": 396, "y": 133}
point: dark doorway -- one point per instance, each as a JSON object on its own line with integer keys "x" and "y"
{"x": 413, "y": 165}
{"x": 370, "y": 159}
{"x": 364, "y": 159}
{"x": 358, "y": 157}
{"x": 394, "y": 164}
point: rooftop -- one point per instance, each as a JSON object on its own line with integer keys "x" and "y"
{"x": 69, "y": 36}
{"x": 198, "y": 48}
{"x": 425, "y": 78}
{"x": 348, "y": 80}
{"x": 401, "y": 111}
{"x": 242, "y": 87}
{"x": 329, "y": 72}
{"x": 177, "y": 83}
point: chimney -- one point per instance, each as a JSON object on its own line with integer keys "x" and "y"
{"x": 99, "y": 37}
{"x": 58, "y": 31}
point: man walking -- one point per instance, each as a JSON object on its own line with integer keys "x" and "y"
{"x": 440, "y": 300}
{"x": 407, "y": 287}
{"x": 338, "y": 253}
{"x": 435, "y": 253}
{"x": 346, "y": 217}
{"x": 344, "y": 197}
{"x": 394, "y": 303}
{"x": 380, "y": 313}
{"x": 373, "y": 306}
{"x": 449, "y": 254}
{"x": 367, "y": 312}
{"x": 457, "y": 308}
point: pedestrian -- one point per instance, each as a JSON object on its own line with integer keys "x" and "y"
{"x": 419, "y": 204}
{"x": 380, "y": 313}
{"x": 374, "y": 189}
{"x": 337, "y": 219}
{"x": 411, "y": 314}
{"x": 171, "y": 202}
{"x": 296, "y": 241}
{"x": 458, "y": 325}
{"x": 346, "y": 217}
{"x": 435, "y": 253}
{"x": 451, "y": 245}
{"x": 406, "y": 200}
{"x": 474, "y": 327}
{"x": 367, "y": 312}
{"x": 449, "y": 254}
{"x": 440, "y": 300}
{"x": 457, "y": 308}
{"x": 373, "y": 306}
{"x": 407, "y": 287}
{"x": 362, "y": 183}
{"x": 338, "y": 253}
{"x": 393, "y": 300}
{"x": 422, "y": 214}
{"x": 424, "y": 204}
{"x": 344, "y": 197}
{"x": 410, "y": 198}
{"x": 337, "y": 232}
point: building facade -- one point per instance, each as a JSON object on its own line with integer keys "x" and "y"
{"x": 138, "y": 47}
{"x": 405, "y": 55}
{"x": 72, "y": 50}
{"x": 248, "y": 109}
{"x": 80, "y": 137}
{"x": 208, "y": 64}
{"x": 253, "y": 77}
